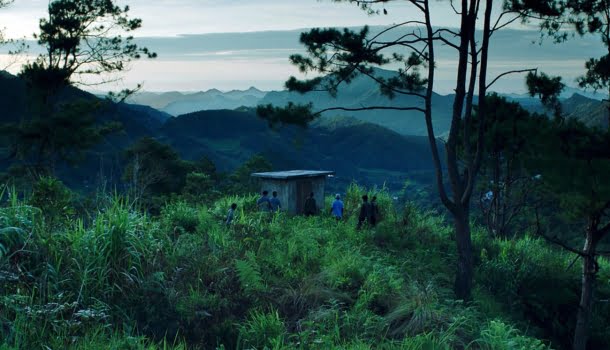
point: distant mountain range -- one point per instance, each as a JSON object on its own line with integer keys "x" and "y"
{"x": 177, "y": 103}
{"x": 362, "y": 91}
{"x": 565, "y": 94}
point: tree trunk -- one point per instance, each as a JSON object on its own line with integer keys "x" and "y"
{"x": 589, "y": 275}
{"x": 464, "y": 276}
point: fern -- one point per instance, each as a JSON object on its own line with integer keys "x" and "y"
{"x": 249, "y": 275}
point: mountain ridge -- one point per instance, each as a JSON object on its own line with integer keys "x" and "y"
{"x": 360, "y": 92}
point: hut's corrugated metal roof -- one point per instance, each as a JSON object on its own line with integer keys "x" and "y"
{"x": 293, "y": 174}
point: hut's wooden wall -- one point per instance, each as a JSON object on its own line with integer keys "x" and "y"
{"x": 293, "y": 192}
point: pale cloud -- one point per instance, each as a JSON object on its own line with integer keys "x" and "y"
{"x": 248, "y": 42}
{"x": 175, "y": 17}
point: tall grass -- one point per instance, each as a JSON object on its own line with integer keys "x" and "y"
{"x": 123, "y": 279}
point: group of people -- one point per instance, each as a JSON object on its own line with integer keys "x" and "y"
{"x": 273, "y": 204}
{"x": 266, "y": 204}
{"x": 369, "y": 211}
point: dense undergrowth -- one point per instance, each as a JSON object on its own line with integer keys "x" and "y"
{"x": 112, "y": 277}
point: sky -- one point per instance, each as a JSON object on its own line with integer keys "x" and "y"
{"x": 176, "y": 17}
{"x": 235, "y": 44}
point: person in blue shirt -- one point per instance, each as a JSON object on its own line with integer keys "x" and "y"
{"x": 337, "y": 208}
{"x": 275, "y": 202}
{"x": 264, "y": 203}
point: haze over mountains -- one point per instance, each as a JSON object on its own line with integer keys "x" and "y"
{"x": 364, "y": 92}
{"x": 176, "y": 103}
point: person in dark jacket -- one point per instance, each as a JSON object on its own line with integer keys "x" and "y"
{"x": 366, "y": 212}
{"x": 375, "y": 214}
{"x": 310, "y": 207}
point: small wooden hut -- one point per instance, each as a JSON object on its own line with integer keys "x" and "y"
{"x": 294, "y": 186}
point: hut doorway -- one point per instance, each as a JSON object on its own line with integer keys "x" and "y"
{"x": 304, "y": 188}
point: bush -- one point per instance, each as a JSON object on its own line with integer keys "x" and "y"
{"x": 500, "y": 336}
{"x": 262, "y": 330}
{"x": 113, "y": 255}
{"x": 178, "y": 218}
{"x": 534, "y": 282}
{"x": 54, "y": 199}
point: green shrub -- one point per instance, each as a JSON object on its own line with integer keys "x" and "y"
{"x": 198, "y": 306}
{"x": 245, "y": 204}
{"x": 54, "y": 199}
{"x": 347, "y": 271}
{"x": 189, "y": 250}
{"x": 500, "y": 336}
{"x": 262, "y": 330}
{"x": 420, "y": 311}
{"x": 179, "y": 217}
{"x": 101, "y": 340}
{"x": 383, "y": 286}
{"x": 199, "y": 188}
{"x": 533, "y": 281}
{"x": 112, "y": 256}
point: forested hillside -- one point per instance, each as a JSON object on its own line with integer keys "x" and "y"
{"x": 344, "y": 145}
{"x": 230, "y": 138}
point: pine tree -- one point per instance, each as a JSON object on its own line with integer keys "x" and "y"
{"x": 342, "y": 55}
{"x": 81, "y": 38}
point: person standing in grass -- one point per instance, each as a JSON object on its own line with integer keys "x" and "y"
{"x": 375, "y": 214}
{"x": 366, "y": 212}
{"x": 310, "y": 205}
{"x": 276, "y": 205}
{"x": 337, "y": 208}
{"x": 231, "y": 214}
{"x": 264, "y": 203}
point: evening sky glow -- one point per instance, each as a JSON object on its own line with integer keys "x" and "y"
{"x": 194, "y": 55}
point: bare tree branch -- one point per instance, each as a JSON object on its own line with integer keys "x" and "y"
{"x": 511, "y": 72}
